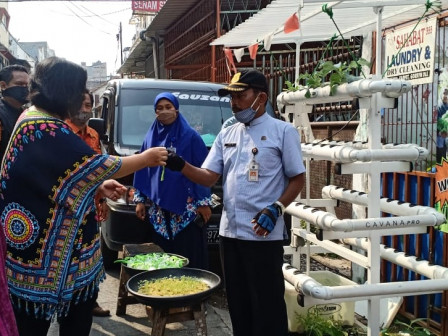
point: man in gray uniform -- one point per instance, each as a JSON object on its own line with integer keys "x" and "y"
{"x": 261, "y": 163}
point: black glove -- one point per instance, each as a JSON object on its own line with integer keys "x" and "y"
{"x": 267, "y": 217}
{"x": 174, "y": 162}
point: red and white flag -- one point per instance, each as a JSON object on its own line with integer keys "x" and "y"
{"x": 253, "y": 50}
{"x": 238, "y": 54}
{"x": 291, "y": 24}
{"x": 229, "y": 57}
{"x": 267, "y": 41}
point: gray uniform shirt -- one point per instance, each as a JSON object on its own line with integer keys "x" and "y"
{"x": 279, "y": 157}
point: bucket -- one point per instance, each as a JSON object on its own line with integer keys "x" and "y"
{"x": 341, "y": 311}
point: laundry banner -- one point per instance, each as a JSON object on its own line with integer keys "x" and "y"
{"x": 149, "y": 6}
{"x": 441, "y": 192}
{"x": 410, "y": 53}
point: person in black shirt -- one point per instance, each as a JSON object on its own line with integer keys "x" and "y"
{"x": 14, "y": 80}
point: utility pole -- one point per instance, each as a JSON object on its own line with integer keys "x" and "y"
{"x": 121, "y": 45}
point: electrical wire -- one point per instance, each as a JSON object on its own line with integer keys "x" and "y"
{"x": 110, "y": 13}
{"x": 94, "y": 15}
{"x": 341, "y": 129}
{"x": 83, "y": 20}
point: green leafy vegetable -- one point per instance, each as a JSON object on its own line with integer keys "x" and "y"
{"x": 152, "y": 261}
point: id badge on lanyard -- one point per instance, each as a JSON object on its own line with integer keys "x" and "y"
{"x": 254, "y": 168}
{"x": 171, "y": 149}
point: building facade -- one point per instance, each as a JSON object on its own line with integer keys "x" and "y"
{"x": 96, "y": 74}
{"x": 37, "y": 50}
{"x": 175, "y": 44}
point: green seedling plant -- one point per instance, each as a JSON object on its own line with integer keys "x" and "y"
{"x": 400, "y": 328}
{"x": 315, "y": 325}
{"x": 337, "y": 74}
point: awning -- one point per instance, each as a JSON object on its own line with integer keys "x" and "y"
{"x": 353, "y": 17}
{"x": 171, "y": 11}
{"x": 135, "y": 62}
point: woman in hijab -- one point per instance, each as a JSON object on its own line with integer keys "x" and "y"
{"x": 174, "y": 201}
{"x": 49, "y": 178}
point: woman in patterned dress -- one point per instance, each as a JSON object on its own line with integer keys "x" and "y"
{"x": 49, "y": 178}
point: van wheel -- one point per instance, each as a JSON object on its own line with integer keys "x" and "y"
{"x": 109, "y": 256}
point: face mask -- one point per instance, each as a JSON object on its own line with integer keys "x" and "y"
{"x": 81, "y": 118}
{"x": 166, "y": 116}
{"x": 19, "y": 93}
{"x": 247, "y": 115}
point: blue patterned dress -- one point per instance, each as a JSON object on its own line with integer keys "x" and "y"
{"x": 173, "y": 199}
{"x": 49, "y": 177}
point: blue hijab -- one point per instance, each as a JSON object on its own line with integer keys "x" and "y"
{"x": 171, "y": 192}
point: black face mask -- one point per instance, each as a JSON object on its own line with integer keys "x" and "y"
{"x": 19, "y": 93}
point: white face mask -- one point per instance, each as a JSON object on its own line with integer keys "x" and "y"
{"x": 81, "y": 118}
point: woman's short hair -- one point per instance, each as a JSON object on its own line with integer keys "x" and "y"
{"x": 87, "y": 91}
{"x": 58, "y": 86}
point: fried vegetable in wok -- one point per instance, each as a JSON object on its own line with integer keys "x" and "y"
{"x": 172, "y": 286}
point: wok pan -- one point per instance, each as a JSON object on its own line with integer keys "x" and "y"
{"x": 132, "y": 271}
{"x": 211, "y": 279}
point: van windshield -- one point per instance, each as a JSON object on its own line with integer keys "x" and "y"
{"x": 204, "y": 111}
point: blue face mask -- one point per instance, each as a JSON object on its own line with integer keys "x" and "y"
{"x": 247, "y": 115}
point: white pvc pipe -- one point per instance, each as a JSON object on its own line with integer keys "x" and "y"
{"x": 391, "y": 88}
{"x": 330, "y": 246}
{"x": 381, "y": 223}
{"x": 377, "y": 2}
{"x": 421, "y": 267}
{"x": 310, "y": 287}
{"x": 364, "y": 144}
{"x": 350, "y": 154}
{"x": 390, "y": 206}
{"x": 328, "y": 221}
{"x": 353, "y": 144}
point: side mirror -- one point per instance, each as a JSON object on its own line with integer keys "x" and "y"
{"x": 98, "y": 125}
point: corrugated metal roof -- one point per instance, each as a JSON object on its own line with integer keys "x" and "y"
{"x": 137, "y": 56}
{"x": 353, "y": 17}
{"x": 171, "y": 11}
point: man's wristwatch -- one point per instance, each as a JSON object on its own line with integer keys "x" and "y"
{"x": 281, "y": 208}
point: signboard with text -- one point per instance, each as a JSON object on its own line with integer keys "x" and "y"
{"x": 441, "y": 195}
{"x": 410, "y": 53}
{"x": 147, "y": 6}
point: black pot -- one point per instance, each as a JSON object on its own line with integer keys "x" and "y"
{"x": 211, "y": 279}
{"x": 133, "y": 271}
